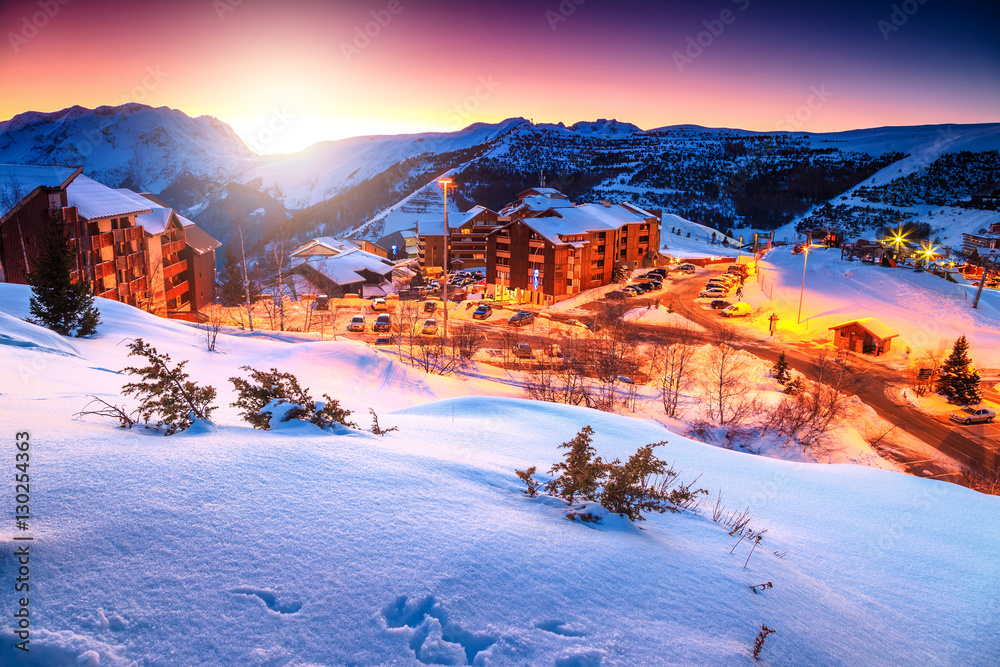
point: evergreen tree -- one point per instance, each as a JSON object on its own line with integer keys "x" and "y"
{"x": 57, "y": 303}
{"x": 780, "y": 369}
{"x": 959, "y": 381}
{"x": 231, "y": 292}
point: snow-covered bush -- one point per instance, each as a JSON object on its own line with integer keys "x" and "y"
{"x": 642, "y": 485}
{"x": 275, "y": 397}
{"x": 165, "y": 393}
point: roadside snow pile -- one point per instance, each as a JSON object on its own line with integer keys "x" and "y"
{"x": 235, "y": 546}
{"x": 658, "y": 316}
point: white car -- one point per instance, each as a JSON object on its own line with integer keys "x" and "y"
{"x": 357, "y": 323}
{"x": 713, "y": 292}
{"x": 738, "y": 309}
{"x": 973, "y": 416}
{"x": 379, "y": 305}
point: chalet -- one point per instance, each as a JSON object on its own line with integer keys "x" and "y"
{"x": 864, "y": 336}
{"x": 320, "y": 268}
{"x": 552, "y": 249}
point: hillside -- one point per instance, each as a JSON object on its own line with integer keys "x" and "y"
{"x": 727, "y": 179}
{"x": 227, "y": 545}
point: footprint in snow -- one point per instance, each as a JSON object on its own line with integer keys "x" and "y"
{"x": 270, "y": 599}
{"x": 434, "y": 638}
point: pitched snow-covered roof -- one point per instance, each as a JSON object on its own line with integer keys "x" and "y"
{"x": 199, "y": 240}
{"x": 582, "y": 219}
{"x": 325, "y": 246}
{"x": 344, "y": 268}
{"x": 95, "y": 200}
{"x": 873, "y": 326}
{"x": 154, "y": 222}
{"x": 28, "y": 177}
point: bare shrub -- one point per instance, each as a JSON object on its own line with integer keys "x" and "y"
{"x": 983, "y": 476}
{"x": 674, "y": 364}
{"x": 725, "y": 382}
{"x": 758, "y": 644}
{"x": 809, "y": 414}
{"x": 100, "y": 407}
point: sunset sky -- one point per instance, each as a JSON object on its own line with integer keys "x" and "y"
{"x": 310, "y": 72}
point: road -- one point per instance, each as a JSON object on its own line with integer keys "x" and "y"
{"x": 964, "y": 444}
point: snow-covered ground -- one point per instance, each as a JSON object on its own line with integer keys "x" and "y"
{"x": 230, "y": 546}
{"x": 926, "y": 311}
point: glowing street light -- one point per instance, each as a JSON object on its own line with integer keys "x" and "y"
{"x": 445, "y": 183}
{"x": 805, "y": 259}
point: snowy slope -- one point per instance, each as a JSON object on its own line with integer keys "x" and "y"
{"x": 928, "y": 312}
{"x": 330, "y": 167}
{"x": 231, "y": 546}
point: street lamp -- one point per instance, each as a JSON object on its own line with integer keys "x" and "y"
{"x": 805, "y": 259}
{"x": 445, "y": 183}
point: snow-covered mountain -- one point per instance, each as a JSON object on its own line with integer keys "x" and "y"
{"x": 724, "y": 178}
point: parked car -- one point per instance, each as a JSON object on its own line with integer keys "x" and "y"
{"x": 654, "y": 285}
{"x": 688, "y": 268}
{"x": 522, "y": 351}
{"x": 386, "y": 340}
{"x": 322, "y": 302}
{"x": 430, "y": 306}
{"x": 379, "y": 305}
{"x": 974, "y": 416}
{"x": 430, "y": 327}
{"x": 719, "y": 304}
{"x": 382, "y": 323}
{"x": 630, "y": 292}
{"x": 357, "y": 323}
{"x": 660, "y": 272}
{"x": 739, "y": 309}
{"x": 639, "y": 289}
{"x": 520, "y": 319}
{"x": 482, "y": 312}
{"x": 713, "y": 292}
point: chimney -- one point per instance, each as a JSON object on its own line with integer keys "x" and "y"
{"x": 606, "y": 203}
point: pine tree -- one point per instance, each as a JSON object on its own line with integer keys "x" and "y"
{"x": 57, "y": 303}
{"x": 231, "y": 291}
{"x": 582, "y": 474}
{"x": 959, "y": 381}
{"x": 780, "y": 369}
{"x": 165, "y": 392}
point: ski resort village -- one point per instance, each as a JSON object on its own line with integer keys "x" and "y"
{"x": 315, "y": 352}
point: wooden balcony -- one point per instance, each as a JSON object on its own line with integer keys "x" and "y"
{"x": 124, "y": 289}
{"x": 137, "y": 261}
{"x": 173, "y": 269}
{"x": 172, "y": 247}
{"x": 101, "y": 241}
{"x": 121, "y": 263}
{"x": 176, "y": 292}
{"x": 109, "y": 294}
{"x": 103, "y": 270}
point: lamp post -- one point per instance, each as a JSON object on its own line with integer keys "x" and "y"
{"x": 445, "y": 184}
{"x": 805, "y": 260}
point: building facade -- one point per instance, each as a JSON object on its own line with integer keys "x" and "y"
{"x": 128, "y": 247}
{"x": 552, "y": 250}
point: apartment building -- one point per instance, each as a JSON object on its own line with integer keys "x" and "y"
{"x": 129, "y": 247}
{"x": 552, "y": 249}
